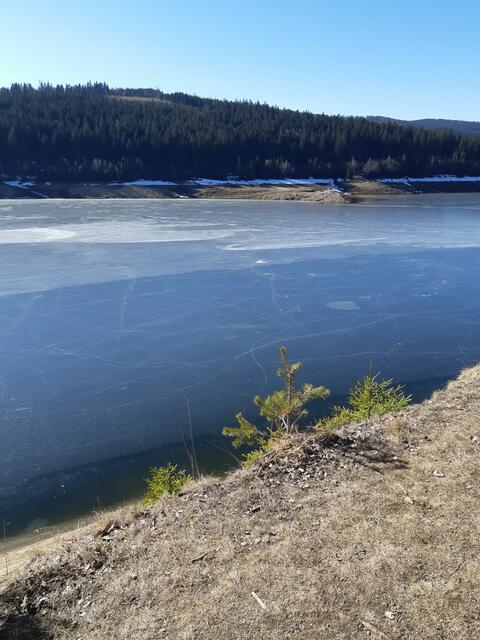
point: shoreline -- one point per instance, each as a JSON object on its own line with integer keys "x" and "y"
{"x": 346, "y": 192}
{"x": 20, "y": 548}
{"x": 295, "y": 518}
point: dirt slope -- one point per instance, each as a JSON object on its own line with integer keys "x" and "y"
{"x": 373, "y": 536}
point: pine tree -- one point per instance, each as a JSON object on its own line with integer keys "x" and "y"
{"x": 284, "y": 410}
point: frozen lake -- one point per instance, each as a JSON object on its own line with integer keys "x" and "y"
{"x": 115, "y": 314}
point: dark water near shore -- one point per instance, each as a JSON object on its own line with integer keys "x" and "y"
{"x": 116, "y": 314}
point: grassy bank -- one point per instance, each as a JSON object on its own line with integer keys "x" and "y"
{"x": 372, "y": 534}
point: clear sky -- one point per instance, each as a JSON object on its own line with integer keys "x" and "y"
{"x": 409, "y": 59}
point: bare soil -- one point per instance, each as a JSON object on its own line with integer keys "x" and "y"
{"x": 370, "y": 534}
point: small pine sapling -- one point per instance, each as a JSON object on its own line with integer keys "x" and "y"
{"x": 284, "y": 410}
{"x": 165, "y": 480}
{"x": 370, "y": 397}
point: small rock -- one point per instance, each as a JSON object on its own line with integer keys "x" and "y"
{"x": 390, "y": 615}
{"x": 438, "y": 474}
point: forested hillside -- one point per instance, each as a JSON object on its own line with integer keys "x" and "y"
{"x": 95, "y": 133}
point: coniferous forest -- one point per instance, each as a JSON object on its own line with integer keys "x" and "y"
{"x": 93, "y": 132}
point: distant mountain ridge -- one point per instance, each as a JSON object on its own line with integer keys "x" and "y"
{"x": 467, "y": 127}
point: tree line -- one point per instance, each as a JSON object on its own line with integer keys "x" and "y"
{"x": 92, "y": 132}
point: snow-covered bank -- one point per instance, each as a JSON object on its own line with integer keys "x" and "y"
{"x": 26, "y": 185}
{"x": 19, "y": 184}
{"x": 332, "y": 183}
{"x": 441, "y": 178}
{"x": 141, "y": 183}
{"x": 209, "y": 182}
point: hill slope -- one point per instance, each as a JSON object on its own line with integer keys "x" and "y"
{"x": 95, "y": 133}
{"x": 373, "y": 536}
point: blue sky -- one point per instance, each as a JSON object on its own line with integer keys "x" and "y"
{"x": 409, "y": 59}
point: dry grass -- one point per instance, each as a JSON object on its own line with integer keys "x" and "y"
{"x": 364, "y": 189}
{"x": 374, "y": 535}
{"x": 305, "y": 193}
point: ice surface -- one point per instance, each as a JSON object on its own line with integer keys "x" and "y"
{"x": 114, "y": 314}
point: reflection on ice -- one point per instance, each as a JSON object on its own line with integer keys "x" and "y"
{"x": 34, "y": 235}
{"x": 112, "y": 232}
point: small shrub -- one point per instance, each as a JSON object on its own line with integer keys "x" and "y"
{"x": 168, "y": 479}
{"x": 367, "y": 398}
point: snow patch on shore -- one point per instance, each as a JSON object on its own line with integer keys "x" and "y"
{"x": 210, "y": 182}
{"x": 258, "y": 182}
{"x": 19, "y": 184}
{"x": 144, "y": 183}
{"x": 24, "y": 184}
{"x": 441, "y": 178}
